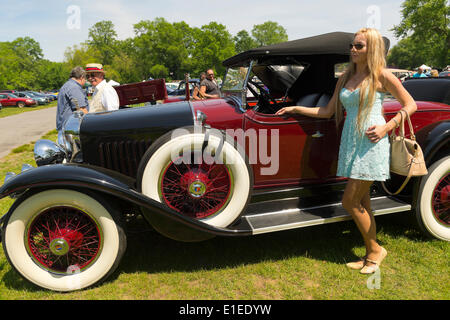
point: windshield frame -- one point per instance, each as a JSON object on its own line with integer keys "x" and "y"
{"x": 241, "y": 94}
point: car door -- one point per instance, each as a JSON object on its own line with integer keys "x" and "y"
{"x": 4, "y": 100}
{"x": 307, "y": 148}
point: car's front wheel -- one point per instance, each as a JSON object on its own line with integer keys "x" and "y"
{"x": 433, "y": 201}
{"x": 63, "y": 240}
{"x": 20, "y": 104}
{"x": 214, "y": 189}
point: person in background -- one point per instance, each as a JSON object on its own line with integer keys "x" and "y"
{"x": 209, "y": 87}
{"x": 105, "y": 97}
{"x": 196, "y": 95}
{"x": 71, "y": 96}
{"x": 419, "y": 73}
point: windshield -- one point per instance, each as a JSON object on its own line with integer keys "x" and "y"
{"x": 235, "y": 79}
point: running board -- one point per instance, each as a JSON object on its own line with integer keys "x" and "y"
{"x": 262, "y": 218}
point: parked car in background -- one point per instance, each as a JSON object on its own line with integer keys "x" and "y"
{"x": 39, "y": 100}
{"x": 172, "y": 85}
{"x": 198, "y": 169}
{"x": 38, "y": 95}
{"x": 444, "y": 74}
{"x": 181, "y": 89}
{"x": 8, "y": 91}
{"x": 9, "y": 99}
{"x": 52, "y": 94}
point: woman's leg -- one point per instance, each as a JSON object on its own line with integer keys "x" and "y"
{"x": 365, "y": 202}
{"x": 356, "y": 201}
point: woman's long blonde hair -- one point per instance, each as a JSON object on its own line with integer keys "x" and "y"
{"x": 376, "y": 62}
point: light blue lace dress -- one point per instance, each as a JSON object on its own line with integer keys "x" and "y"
{"x": 359, "y": 158}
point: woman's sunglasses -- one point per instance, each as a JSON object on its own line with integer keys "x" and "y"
{"x": 357, "y": 46}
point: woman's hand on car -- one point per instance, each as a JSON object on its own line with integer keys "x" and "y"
{"x": 285, "y": 110}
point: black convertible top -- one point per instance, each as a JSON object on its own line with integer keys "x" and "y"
{"x": 334, "y": 44}
{"x": 318, "y": 54}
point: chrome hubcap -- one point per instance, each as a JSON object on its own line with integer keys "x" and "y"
{"x": 59, "y": 247}
{"x": 197, "y": 189}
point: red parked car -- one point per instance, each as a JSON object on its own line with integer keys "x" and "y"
{"x": 9, "y": 99}
{"x": 219, "y": 167}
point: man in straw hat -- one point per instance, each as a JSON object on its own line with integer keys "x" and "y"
{"x": 105, "y": 97}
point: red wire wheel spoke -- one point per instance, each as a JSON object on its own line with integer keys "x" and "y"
{"x": 196, "y": 190}
{"x": 63, "y": 239}
{"x": 441, "y": 200}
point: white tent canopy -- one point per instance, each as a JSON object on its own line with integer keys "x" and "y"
{"x": 425, "y": 67}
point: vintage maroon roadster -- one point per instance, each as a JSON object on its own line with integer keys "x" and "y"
{"x": 222, "y": 167}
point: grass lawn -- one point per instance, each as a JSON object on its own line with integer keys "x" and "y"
{"x": 306, "y": 263}
{"x": 9, "y": 111}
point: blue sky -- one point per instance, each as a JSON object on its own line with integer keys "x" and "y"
{"x": 58, "y": 24}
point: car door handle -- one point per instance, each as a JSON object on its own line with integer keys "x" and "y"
{"x": 318, "y": 134}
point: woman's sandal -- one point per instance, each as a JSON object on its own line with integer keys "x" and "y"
{"x": 376, "y": 263}
{"x": 357, "y": 265}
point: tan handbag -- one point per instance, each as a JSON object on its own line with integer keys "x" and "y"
{"x": 406, "y": 155}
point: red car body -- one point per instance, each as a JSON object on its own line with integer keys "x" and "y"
{"x": 9, "y": 99}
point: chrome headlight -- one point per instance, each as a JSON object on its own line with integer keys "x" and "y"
{"x": 48, "y": 152}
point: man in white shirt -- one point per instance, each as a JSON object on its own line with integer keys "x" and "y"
{"x": 105, "y": 97}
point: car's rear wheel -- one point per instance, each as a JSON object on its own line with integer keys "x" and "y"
{"x": 433, "y": 201}
{"x": 63, "y": 240}
{"x": 214, "y": 189}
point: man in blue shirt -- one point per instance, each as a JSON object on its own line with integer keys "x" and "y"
{"x": 419, "y": 73}
{"x": 70, "y": 96}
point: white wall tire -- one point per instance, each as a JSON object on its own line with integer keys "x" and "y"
{"x": 159, "y": 159}
{"x": 433, "y": 207}
{"x": 18, "y": 244}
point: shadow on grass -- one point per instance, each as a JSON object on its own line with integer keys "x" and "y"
{"x": 334, "y": 243}
{"x": 150, "y": 252}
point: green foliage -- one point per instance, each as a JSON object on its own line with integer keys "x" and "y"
{"x": 22, "y": 67}
{"x": 159, "y": 49}
{"x": 269, "y": 33}
{"x": 213, "y": 45}
{"x": 103, "y": 38}
{"x": 80, "y": 55}
{"x": 408, "y": 54}
{"x": 426, "y": 24}
{"x": 244, "y": 41}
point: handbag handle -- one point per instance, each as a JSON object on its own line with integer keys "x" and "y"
{"x": 402, "y": 135}
{"x": 402, "y": 125}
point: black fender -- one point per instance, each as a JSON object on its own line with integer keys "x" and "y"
{"x": 436, "y": 138}
{"x": 103, "y": 181}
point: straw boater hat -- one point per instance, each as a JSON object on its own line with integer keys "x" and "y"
{"x": 94, "y": 67}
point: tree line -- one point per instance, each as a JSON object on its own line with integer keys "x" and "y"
{"x": 425, "y": 35}
{"x": 160, "y": 49}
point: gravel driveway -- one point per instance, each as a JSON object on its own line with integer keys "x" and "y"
{"x": 24, "y": 128}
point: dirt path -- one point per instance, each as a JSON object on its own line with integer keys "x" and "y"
{"x": 24, "y": 128}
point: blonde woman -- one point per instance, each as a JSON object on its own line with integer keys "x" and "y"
{"x": 364, "y": 148}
